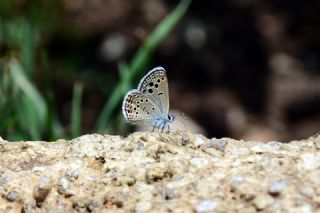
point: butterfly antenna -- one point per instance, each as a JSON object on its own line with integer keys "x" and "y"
{"x": 182, "y": 115}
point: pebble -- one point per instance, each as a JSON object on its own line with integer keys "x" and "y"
{"x": 198, "y": 141}
{"x": 276, "y": 144}
{"x": 237, "y": 181}
{"x": 199, "y": 162}
{"x": 206, "y": 205}
{"x": 12, "y": 196}
{"x": 140, "y": 144}
{"x": 75, "y": 174}
{"x": 169, "y": 193}
{"x": 310, "y": 161}
{"x": 276, "y": 188}
{"x": 4, "y": 179}
{"x": 42, "y": 189}
{"x": 44, "y": 181}
{"x": 63, "y": 184}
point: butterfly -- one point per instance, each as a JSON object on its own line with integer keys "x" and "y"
{"x": 149, "y": 103}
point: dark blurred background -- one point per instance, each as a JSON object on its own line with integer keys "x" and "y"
{"x": 238, "y": 68}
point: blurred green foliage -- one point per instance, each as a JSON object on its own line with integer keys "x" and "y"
{"x": 139, "y": 62}
{"x": 28, "y": 111}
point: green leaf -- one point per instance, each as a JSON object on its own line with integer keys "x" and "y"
{"x": 32, "y": 102}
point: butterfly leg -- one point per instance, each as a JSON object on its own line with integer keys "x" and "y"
{"x": 169, "y": 126}
{"x": 155, "y": 125}
{"x": 162, "y": 128}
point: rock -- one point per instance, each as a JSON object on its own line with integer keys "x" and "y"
{"x": 151, "y": 172}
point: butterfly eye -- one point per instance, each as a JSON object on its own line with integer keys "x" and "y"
{"x": 171, "y": 118}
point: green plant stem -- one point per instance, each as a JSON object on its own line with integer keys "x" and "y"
{"x": 138, "y": 62}
{"x": 76, "y": 110}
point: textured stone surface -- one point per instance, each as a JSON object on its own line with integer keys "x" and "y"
{"x": 151, "y": 172}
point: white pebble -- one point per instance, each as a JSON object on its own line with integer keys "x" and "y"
{"x": 206, "y": 205}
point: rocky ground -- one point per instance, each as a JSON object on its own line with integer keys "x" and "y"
{"x": 151, "y": 172}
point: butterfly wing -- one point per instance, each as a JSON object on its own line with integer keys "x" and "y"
{"x": 155, "y": 86}
{"x": 137, "y": 108}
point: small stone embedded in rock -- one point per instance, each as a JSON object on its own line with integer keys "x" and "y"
{"x": 275, "y": 144}
{"x": 310, "y": 161}
{"x": 44, "y": 181}
{"x": 169, "y": 193}
{"x": 198, "y": 141}
{"x": 74, "y": 174}
{"x": 41, "y": 191}
{"x": 236, "y": 181}
{"x": 206, "y": 206}
{"x": 199, "y": 163}
{"x": 12, "y": 196}
{"x": 276, "y": 188}
{"x": 140, "y": 144}
{"x": 4, "y": 180}
{"x": 63, "y": 185}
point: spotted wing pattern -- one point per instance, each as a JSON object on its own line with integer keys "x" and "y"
{"x": 155, "y": 86}
{"x": 137, "y": 108}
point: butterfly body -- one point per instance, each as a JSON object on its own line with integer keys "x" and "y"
{"x": 149, "y": 103}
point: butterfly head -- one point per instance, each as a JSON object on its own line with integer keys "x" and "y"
{"x": 171, "y": 117}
